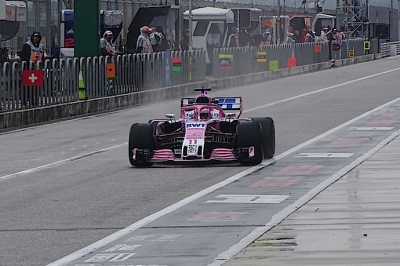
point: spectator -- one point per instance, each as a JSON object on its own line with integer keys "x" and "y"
{"x": 244, "y": 37}
{"x": 106, "y": 47}
{"x": 310, "y": 36}
{"x": 335, "y": 34}
{"x": 185, "y": 40}
{"x": 266, "y": 38}
{"x": 256, "y": 40}
{"x": 340, "y": 35}
{"x": 322, "y": 37}
{"x": 32, "y": 50}
{"x": 289, "y": 38}
{"x": 297, "y": 36}
{"x": 154, "y": 38}
{"x": 143, "y": 44}
{"x": 163, "y": 42}
{"x": 330, "y": 37}
{"x": 330, "y": 34}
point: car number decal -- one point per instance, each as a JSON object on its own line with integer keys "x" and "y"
{"x": 192, "y": 149}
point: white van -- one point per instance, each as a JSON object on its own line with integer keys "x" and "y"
{"x": 210, "y": 28}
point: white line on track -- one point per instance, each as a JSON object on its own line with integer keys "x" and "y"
{"x": 277, "y": 218}
{"x": 46, "y": 166}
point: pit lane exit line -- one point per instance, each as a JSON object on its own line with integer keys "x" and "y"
{"x": 323, "y": 155}
{"x": 321, "y": 90}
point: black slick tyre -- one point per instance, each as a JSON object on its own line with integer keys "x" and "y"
{"x": 249, "y": 135}
{"x": 141, "y": 137}
{"x": 268, "y": 135}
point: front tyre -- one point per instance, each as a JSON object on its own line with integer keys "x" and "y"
{"x": 141, "y": 139}
{"x": 249, "y": 135}
{"x": 268, "y": 135}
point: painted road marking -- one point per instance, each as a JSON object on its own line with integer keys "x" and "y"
{"x": 274, "y": 182}
{"x": 249, "y": 198}
{"x": 139, "y": 238}
{"x": 149, "y": 238}
{"x": 110, "y": 257}
{"x": 370, "y": 128}
{"x": 324, "y": 155}
{"x": 167, "y": 238}
{"x": 346, "y": 142}
{"x": 383, "y": 120}
{"x": 298, "y": 170}
{"x": 122, "y": 247}
{"x": 217, "y": 216}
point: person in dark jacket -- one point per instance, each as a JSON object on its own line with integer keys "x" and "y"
{"x": 32, "y": 50}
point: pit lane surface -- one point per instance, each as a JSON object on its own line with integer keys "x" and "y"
{"x": 67, "y": 185}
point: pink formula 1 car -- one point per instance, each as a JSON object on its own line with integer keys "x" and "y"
{"x": 209, "y": 129}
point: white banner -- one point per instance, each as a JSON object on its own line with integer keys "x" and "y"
{"x": 10, "y": 12}
{"x": 21, "y": 13}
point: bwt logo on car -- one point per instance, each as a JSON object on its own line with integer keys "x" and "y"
{"x": 195, "y": 125}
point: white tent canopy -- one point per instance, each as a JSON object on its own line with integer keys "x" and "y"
{"x": 210, "y": 13}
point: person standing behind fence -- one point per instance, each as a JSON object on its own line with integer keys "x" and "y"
{"x": 310, "y": 36}
{"x": 32, "y": 51}
{"x": 154, "y": 38}
{"x": 163, "y": 43}
{"x": 185, "y": 40}
{"x": 267, "y": 39}
{"x": 106, "y": 47}
{"x": 143, "y": 44}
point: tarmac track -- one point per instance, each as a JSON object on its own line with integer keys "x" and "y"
{"x": 66, "y": 185}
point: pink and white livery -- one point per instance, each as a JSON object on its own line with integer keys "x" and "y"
{"x": 209, "y": 129}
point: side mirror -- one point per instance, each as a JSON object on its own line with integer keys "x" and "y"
{"x": 170, "y": 116}
{"x": 230, "y": 115}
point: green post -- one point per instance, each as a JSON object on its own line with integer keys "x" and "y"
{"x": 86, "y": 28}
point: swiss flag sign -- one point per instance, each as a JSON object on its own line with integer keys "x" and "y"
{"x": 32, "y": 78}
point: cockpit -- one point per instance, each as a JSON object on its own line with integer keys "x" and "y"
{"x": 204, "y": 114}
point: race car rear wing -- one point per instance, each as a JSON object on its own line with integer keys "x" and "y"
{"x": 226, "y": 103}
{"x": 229, "y": 103}
{"x": 187, "y": 101}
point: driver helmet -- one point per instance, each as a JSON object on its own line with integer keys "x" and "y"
{"x": 205, "y": 114}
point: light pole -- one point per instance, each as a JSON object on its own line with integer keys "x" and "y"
{"x": 278, "y": 28}
{"x": 191, "y": 26}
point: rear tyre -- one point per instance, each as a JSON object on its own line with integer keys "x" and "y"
{"x": 141, "y": 137}
{"x": 249, "y": 135}
{"x": 268, "y": 135}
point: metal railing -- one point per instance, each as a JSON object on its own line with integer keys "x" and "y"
{"x": 245, "y": 60}
{"x": 134, "y": 72}
{"x": 140, "y": 72}
{"x": 385, "y": 48}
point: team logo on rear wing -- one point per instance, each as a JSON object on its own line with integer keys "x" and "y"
{"x": 229, "y": 103}
{"x": 226, "y": 103}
